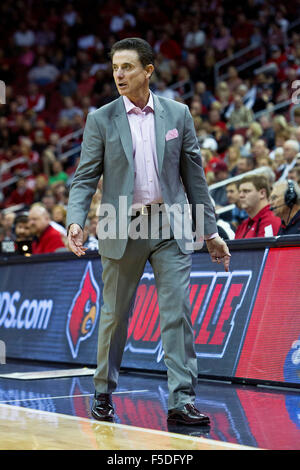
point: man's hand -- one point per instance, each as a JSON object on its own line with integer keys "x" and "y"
{"x": 75, "y": 240}
{"x": 219, "y": 251}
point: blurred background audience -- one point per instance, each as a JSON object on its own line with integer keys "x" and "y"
{"x": 235, "y": 65}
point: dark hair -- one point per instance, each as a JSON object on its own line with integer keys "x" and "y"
{"x": 21, "y": 219}
{"x": 258, "y": 181}
{"x": 139, "y": 45}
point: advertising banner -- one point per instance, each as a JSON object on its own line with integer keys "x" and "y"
{"x": 246, "y": 322}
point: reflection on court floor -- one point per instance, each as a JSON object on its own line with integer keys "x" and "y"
{"x": 53, "y": 412}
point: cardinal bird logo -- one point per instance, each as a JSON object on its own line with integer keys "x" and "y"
{"x": 84, "y": 311}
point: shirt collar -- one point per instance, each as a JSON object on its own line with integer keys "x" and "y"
{"x": 292, "y": 221}
{"x": 129, "y": 106}
{"x": 261, "y": 212}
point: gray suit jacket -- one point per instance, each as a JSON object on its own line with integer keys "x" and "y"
{"x": 107, "y": 149}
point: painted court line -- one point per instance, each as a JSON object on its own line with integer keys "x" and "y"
{"x": 224, "y": 445}
{"x": 68, "y": 396}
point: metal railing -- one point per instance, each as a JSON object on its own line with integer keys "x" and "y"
{"x": 15, "y": 208}
{"x": 273, "y": 108}
{"x": 243, "y": 52}
{"x": 7, "y": 166}
{"x": 233, "y": 179}
{"x": 180, "y": 84}
{"x": 63, "y": 155}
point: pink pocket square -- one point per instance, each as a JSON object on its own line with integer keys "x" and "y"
{"x": 172, "y": 134}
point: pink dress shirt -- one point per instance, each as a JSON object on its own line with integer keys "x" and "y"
{"x": 146, "y": 180}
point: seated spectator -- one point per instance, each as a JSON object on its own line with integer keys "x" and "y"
{"x": 253, "y": 134}
{"x": 278, "y": 162}
{"x": 248, "y": 98}
{"x": 294, "y": 174}
{"x": 21, "y": 228}
{"x": 238, "y": 140}
{"x": 69, "y": 110}
{"x": 45, "y": 35}
{"x": 168, "y": 47}
{"x": 285, "y": 203}
{"x": 232, "y": 156}
{"x": 118, "y": 21}
{"x": 268, "y": 134}
{"x": 21, "y": 195}
{"x": 8, "y": 220}
{"x": 166, "y": 92}
{"x": 40, "y": 187}
{"x": 68, "y": 85}
{"x": 89, "y": 240}
{"x": 59, "y": 214}
{"x": 290, "y": 151}
{"x": 214, "y": 118}
{"x": 264, "y": 161}
{"x": 196, "y": 107}
{"x": 244, "y": 164}
{"x": 219, "y": 194}
{"x": 70, "y": 15}
{"x": 241, "y": 116}
{"x": 222, "y": 40}
{"x": 35, "y": 101}
{"x": 93, "y": 223}
{"x": 223, "y": 96}
{"x": 24, "y": 36}
{"x": 281, "y": 127}
{"x": 254, "y": 193}
{"x": 60, "y": 193}
{"x": 58, "y": 174}
{"x": 48, "y": 199}
{"x": 47, "y": 239}
{"x": 206, "y": 96}
{"x": 195, "y": 37}
{"x": 237, "y": 215}
{"x": 43, "y": 73}
{"x": 233, "y": 81}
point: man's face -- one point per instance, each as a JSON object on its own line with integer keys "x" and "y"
{"x": 289, "y": 152}
{"x": 249, "y": 196}
{"x": 242, "y": 166}
{"x": 232, "y": 194}
{"x": 131, "y": 78}
{"x": 259, "y": 148}
{"x": 277, "y": 200}
{"x": 37, "y": 222}
{"x": 22, "y": 230}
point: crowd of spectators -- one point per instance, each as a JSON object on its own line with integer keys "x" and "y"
{"x": 54, "y": 62}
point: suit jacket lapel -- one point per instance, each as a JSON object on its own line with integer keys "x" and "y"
{"x": 122, "y": 123}
{"x": 125, "y": 133}
{"x": 159, "y": 118}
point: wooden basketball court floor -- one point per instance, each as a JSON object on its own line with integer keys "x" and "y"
{"x": 45, "y": 407}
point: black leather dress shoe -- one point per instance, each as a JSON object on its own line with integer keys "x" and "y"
{"x": 102, "y": 407}
{"x": 187, "y": 415}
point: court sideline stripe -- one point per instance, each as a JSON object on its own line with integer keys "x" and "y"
{"x": 229, "y": 445}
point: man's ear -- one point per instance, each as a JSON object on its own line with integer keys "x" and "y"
{"x": 263, "y": 193}
{"x": 149, "y": 69}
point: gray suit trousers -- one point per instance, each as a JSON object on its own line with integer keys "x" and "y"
{"x": 171, "y": 270}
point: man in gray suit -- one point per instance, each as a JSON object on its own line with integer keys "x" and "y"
{"x": 147, "y": 151}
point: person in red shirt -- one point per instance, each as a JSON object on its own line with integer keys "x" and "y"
{"x": 254, "y": 192}
{"x": 48, "y": 240}
{"x": 21, "y": 195}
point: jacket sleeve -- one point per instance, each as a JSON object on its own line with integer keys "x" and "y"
{"x": 87, "y": 174}
{"x": 193, "y": 176}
